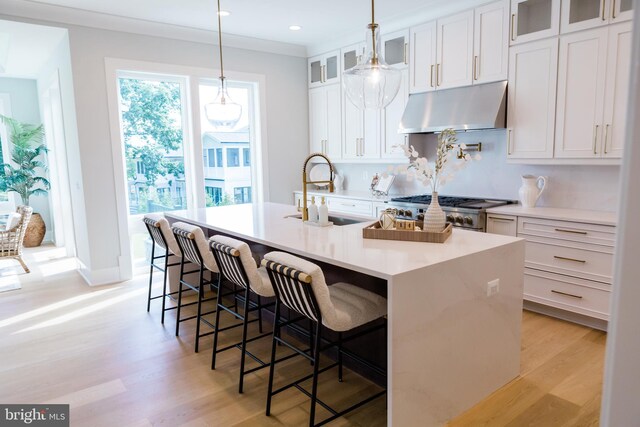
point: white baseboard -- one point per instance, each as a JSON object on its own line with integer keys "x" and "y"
{"x": 105, "y": 276}
{"x": 567, "y": 315}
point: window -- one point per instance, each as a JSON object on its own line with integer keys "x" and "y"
{"x": 219, "y": 157}
{"x": 214, "y": 196}
{"x": 246, "y": 155}
{"x": 242, "y": 194}
{"x": 211, "y": 161}
{"x": 233, "y": 157}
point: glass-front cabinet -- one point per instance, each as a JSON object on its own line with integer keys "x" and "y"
{"x": 584, "y": 14}
{"x": 352, "y": 56}
{"x": 324, "y": 69}
{"x": 395, "y": 49}
{"x": 534, "y": 19}
{"x": 621, "y": 10}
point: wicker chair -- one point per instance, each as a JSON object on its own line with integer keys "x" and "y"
{"x": 11, "y": 240}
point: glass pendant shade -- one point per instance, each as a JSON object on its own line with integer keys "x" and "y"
{"x": 223, "y": 113}
{"x": 372, "y": 84}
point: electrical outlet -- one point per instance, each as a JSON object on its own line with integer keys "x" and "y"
{"x": 493, "y": 287}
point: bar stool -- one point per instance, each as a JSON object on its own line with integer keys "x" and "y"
{"x": 300, "y": 285}
{"x": 194, "y": 248}
{"x": 161, "y": 236}
{"x": 238, "y": 267}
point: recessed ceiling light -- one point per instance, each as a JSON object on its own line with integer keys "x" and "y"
{"x": 295, "y": 27}
{"x": 224, "y": 13}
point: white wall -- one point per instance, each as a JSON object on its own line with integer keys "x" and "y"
{"x": 25, "y": 108}
{"x": 287, "y": 118}
{"x": 581, "y": 187}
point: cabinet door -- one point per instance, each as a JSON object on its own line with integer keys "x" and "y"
{"x": 370, "y": 143}
{"x": 395, "y": 49}
{"x": 333, "y": 144}
{"x": 583, "y": 14}
{"x": 352, "y": 122}
{"x": 390, "y": 120}
{"x": 332, "y": 67}
{"x": 621, "y": 10}
{"x": 317, "y": 119}
{"x": 617, "y": 89}
{"x": 455, "y": 50}
{"x": 581, "y": 84}
{"x": 351, "y": 56}
{"x": 532, "y": 99}
{"x": 534, "y": 20}
{"x": 506, "y": 225}
{"x": 422, "y": 58}
{"x": 316, "y": 71}
{"x": 491, "y": 42}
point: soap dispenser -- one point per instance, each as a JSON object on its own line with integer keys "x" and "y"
{"x": 313, "y": 210}
{"x": 323, "y": 213}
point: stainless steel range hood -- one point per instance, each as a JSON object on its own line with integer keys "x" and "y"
{"x": 466, "y": 108}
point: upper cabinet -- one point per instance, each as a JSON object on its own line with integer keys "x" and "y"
{"x": 390, "y": 120}
{"x": 585, "y": 14}
{"x": 422, "y": 58}
{"x": 395, "y": 49}
{"x": 531, "y": 100}
{"x": 324, "y": 69}
{"x": 351, "y": 56}
{"x": 454, "y": 37}
{"x": 325, "y": 134}
{"x": 490, "y": 42}
{"x": 534, "y": 20}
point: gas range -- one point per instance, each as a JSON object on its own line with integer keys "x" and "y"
{"x": 463, "y": 212}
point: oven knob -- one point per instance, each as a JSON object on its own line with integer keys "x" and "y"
{"x": 449, "y": 218}
{"x": 468, "y": 220}
{"x": 420, "y": 217}
{"x": 458, "y": 220}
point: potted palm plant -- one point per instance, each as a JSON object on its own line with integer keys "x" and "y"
{"x": 24, "y": 174}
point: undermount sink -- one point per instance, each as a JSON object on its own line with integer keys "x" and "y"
{"x": 336, "y": 220}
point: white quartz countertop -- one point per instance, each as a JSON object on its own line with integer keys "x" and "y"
{"x": 344, "y": 246}
{"x": 562, "y": 214}
{"x": 349, "y": 194}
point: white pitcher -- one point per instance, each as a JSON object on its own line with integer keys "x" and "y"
{"x": 532, "y": 188}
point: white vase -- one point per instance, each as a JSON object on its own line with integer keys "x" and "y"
{"x": 434, "y": 218}
{"x": 532, "y": 188}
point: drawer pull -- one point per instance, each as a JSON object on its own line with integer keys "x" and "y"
{"x": 562, "y": 230}
{"x": 501, "y": 219}
{"x": 581, "y": 261}
{"x": 566, "y": 294}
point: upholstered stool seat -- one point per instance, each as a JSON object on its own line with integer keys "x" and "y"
{"x": 195, "y": 233}
{"x": 354, "y": 307}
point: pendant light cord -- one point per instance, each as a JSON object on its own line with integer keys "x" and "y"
{"x": 374, "y": 58}
{"x": 220, "y": 44}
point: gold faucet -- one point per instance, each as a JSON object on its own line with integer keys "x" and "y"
{"x": 305, "y": 213}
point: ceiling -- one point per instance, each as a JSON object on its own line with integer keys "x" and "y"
{"x": 30, "y": 46}
{"x": 321, "y": 20}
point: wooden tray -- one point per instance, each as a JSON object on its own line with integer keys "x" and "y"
{"x": 374, "y": 231}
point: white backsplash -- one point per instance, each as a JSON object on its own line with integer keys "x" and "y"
{"x": 568, "y": 186}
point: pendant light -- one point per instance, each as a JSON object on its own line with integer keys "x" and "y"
{"x": 222, "y": 113}
{"x": 372, "y": 83}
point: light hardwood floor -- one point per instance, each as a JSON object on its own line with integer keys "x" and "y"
{"x": 99, "y": 350}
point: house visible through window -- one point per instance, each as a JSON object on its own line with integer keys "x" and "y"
{"x": 233, "y": 157}
{"x": 246, "y": 156}
{"x": 215, "y": 193}
{"x": 211, "y": 161}
{"x": 219, "y": 157}
{"x": 242, "y": 194}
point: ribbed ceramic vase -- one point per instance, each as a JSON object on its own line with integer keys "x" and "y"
{"x": 434, "y": 218}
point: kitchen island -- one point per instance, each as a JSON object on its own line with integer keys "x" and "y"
{"x": 453, "y": 332}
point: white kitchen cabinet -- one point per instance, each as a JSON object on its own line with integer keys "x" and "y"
{"x": 617, "y": 89}
{"x": 534, "y": 20}
{"x": 454, "y": 36}
{"x": 581, "y": 89}
{"x": 395, "y": 49}
{"x": 621, "y": 10}
{"x": 324, "y": 69}
{"x": 506, "y": 225}
{"x": 422, "y": 58}
{"x": 361, "y": 132}
{"x": 491, "y": 42}
{"x": 324, "y": 121}
{"x": 351, "y": 56}
{"x": 579, "y": 15}
{"x": 350, "y": 206}
{"x": 532, "y": 99}
{"x": 390, "y": 120}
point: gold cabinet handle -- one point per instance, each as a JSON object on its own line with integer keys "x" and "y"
{"x": 438, "y": 80}
{"x": 595, "y": 140}
{"x": 562, "y": 230}
{"x": 613, "y": 9}
{"x": 431, "y": 76}
{"x": 562, "y": 258}
{"x": 566, "y": 294}
{"x": 603, "y": 17}
{"x": 509, "y": 142}
{"x": 405, "y": 54}
{"x": 501, "y": 219}
{"x": 513, "y": 25}
{"x": 475, "y": 67}
{"x": 606, "y": 137}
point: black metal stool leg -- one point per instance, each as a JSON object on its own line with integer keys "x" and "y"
{"x": 216, "y": 325}
{"x": 340, "y": 356}
{"x": 200, "y": 298}
{"x": 179, "y": 297}
{"x": 259, "y": 314}
{"x": 276, "y": 333}
{"x": 316, "y": 366}
{"x": 153, "y": 250}
{"x": 164, "y": 285}
{"x": 244, "y": 339}
{"x": 311, "y": 346}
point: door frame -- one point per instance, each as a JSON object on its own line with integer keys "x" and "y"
{"x": 192, "y": 77}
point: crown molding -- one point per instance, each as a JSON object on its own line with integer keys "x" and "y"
{"x": 71, "y": 16}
